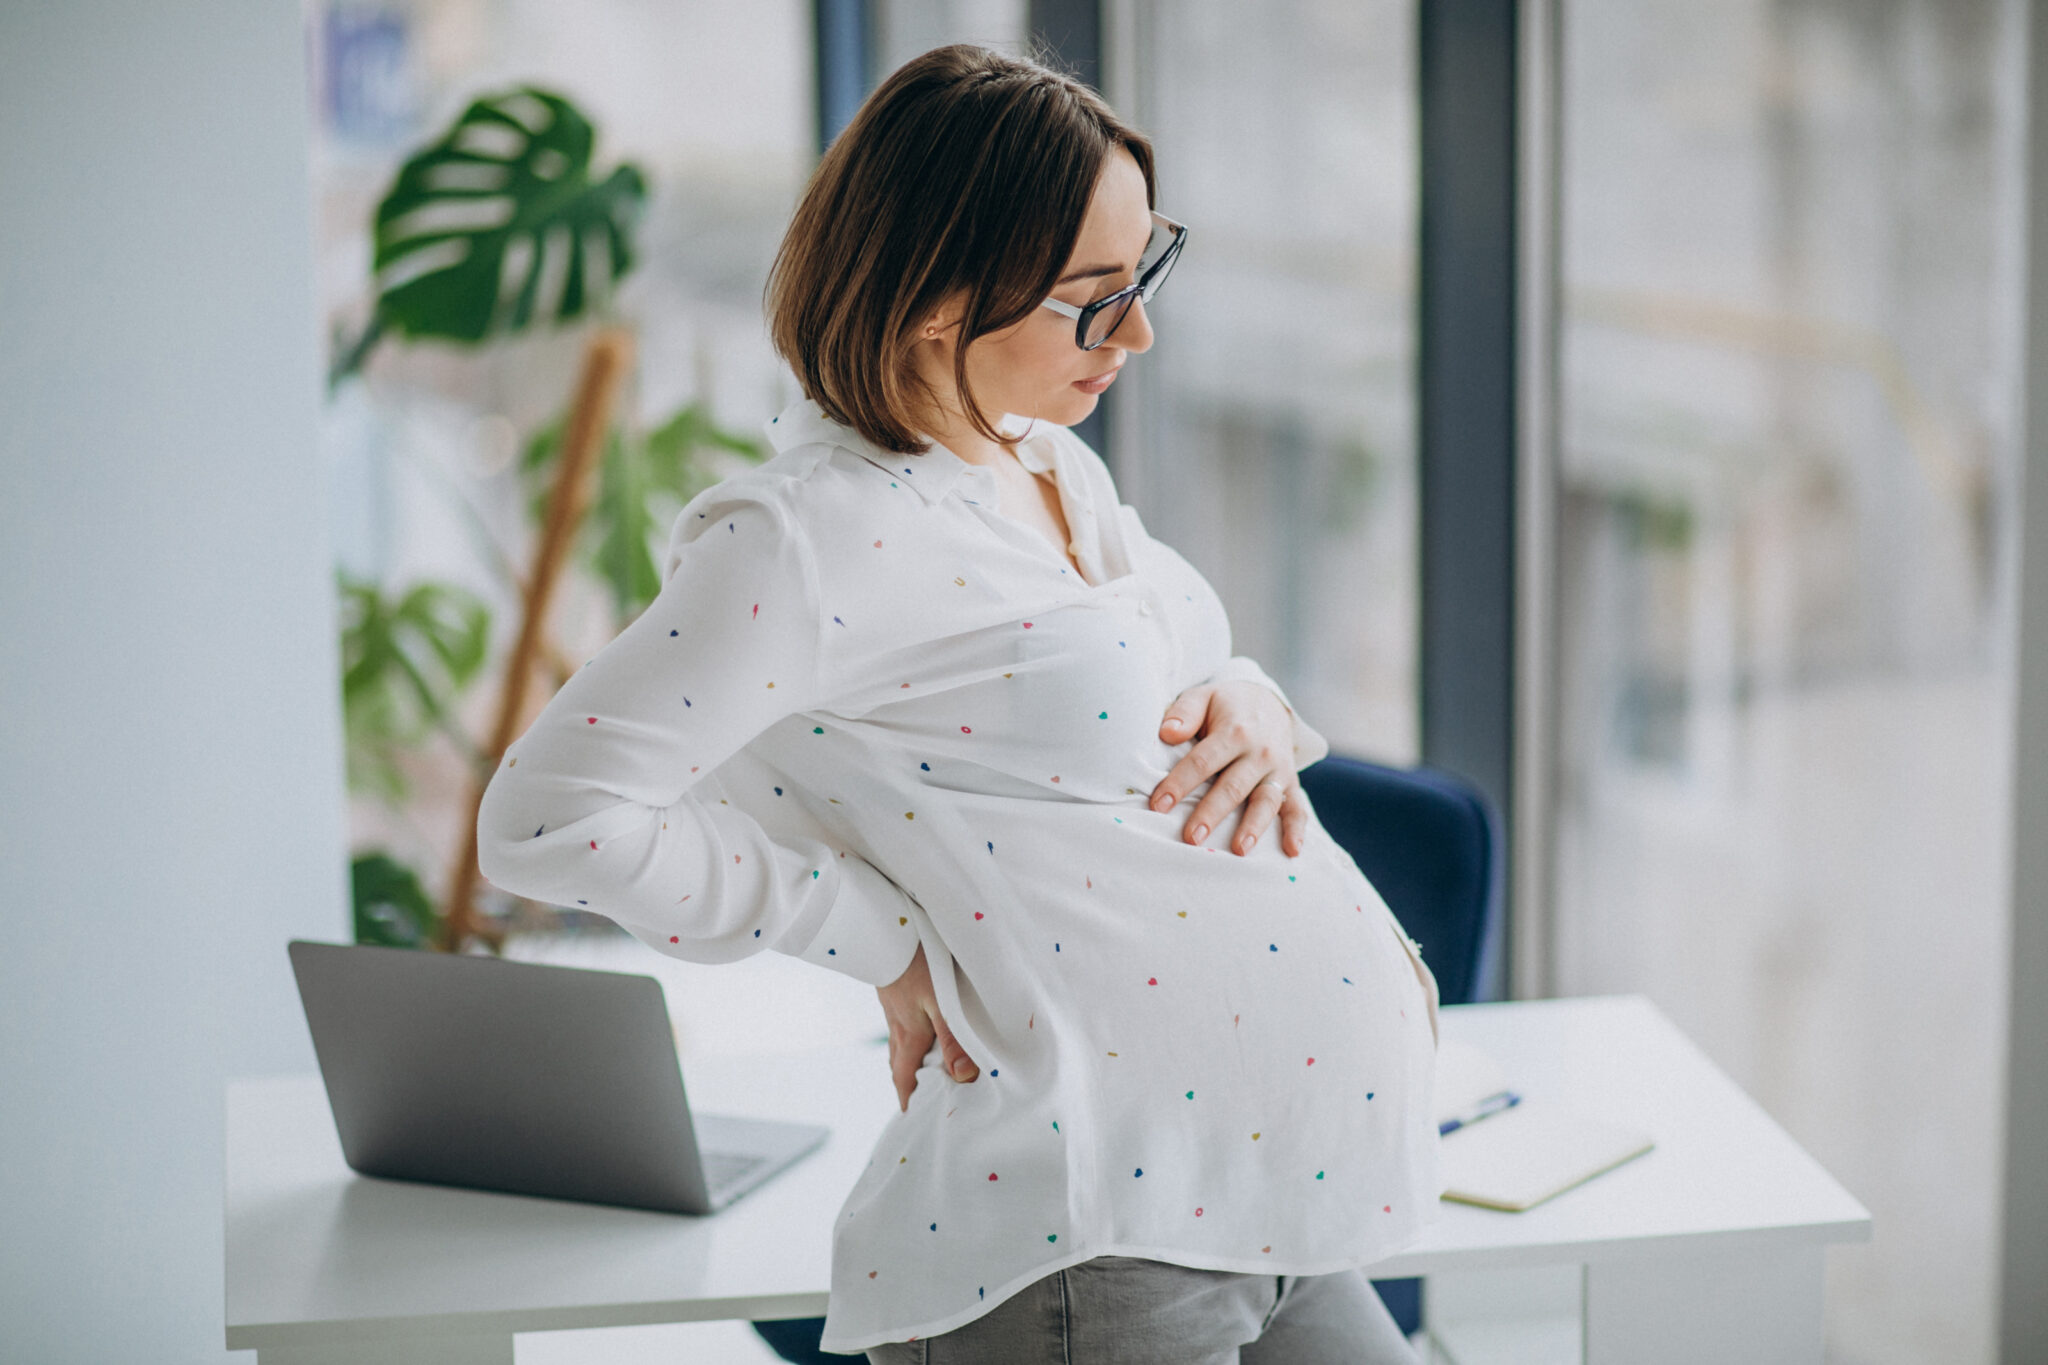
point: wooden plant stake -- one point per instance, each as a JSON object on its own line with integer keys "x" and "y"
{"x": 605, "y": 365}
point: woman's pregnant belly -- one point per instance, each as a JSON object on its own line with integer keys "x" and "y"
{"x": 1111, "y": 955}
{"x": 1110, "y": 900}
{"x": 1212, "y": 1021}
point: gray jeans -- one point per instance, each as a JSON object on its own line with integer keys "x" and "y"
{"x": 1121, "y": 1310}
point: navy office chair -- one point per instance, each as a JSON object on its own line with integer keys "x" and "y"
{"x": 1430, "y": 843}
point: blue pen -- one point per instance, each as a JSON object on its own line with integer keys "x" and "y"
{"x": 1486, "y": 1108}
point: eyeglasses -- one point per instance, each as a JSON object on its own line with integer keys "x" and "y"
{"x": 1094, "y": 323}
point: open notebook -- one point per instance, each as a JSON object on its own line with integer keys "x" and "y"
{"x": 1519, "y": 1157}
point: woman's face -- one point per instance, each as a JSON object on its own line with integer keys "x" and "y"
{"x": 1033, "y": 368}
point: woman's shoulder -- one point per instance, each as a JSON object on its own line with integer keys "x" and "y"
{"x": 804, "y": 494}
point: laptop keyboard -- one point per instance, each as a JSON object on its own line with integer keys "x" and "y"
{"x": 723, "y": 1168}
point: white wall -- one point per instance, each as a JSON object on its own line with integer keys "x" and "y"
{"x": 169, "y": 751}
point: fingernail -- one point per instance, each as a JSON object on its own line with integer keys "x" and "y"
{"x": 1249, "y": 840}
{"x": 1161, "y": 801}
{"x": 962, "y": 1069}
{"x": 1201, "y": 833}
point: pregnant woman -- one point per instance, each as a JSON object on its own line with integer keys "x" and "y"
{"x": 921, "y": 702}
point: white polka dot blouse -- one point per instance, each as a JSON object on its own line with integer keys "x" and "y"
{"x": 868, "y": 711}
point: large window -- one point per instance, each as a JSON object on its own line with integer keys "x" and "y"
{"x": 1790, "y": 398}
{"x": 1271, "y": 439}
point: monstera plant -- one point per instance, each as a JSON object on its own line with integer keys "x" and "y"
{"x": 499, "y": 227}
{"x": 404, "y": 658}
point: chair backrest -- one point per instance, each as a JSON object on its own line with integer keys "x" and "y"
{"x": 1429, "y": 842}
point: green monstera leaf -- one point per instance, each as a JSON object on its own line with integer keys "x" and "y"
{"x": 498, "y": 226}
{"x": 405, "y": 662}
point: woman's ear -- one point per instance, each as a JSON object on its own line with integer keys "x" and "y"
{"x": 944, "y": 319}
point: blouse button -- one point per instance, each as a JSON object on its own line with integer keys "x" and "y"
{"x": 1145, "y": 608}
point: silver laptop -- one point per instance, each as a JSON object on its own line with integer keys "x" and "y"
{"x": 523, "y": 1078}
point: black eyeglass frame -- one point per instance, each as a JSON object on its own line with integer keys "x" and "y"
{"x": 1143, "y": 288}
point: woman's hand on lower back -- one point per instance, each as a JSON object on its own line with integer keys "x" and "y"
{"x": 914, "y": 1021}
{"x": 1245, "y": 739}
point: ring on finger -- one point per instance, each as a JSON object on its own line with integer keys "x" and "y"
{"x": 1269, "y": 782}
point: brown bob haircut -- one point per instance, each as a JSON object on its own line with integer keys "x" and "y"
{"x": 966, "y": 172}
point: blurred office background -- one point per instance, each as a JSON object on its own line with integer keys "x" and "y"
{"x": 1781, "y": 469}
{"x": 1788, "y": 469}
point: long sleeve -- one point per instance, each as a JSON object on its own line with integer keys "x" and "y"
{"x": 606, "y": 802}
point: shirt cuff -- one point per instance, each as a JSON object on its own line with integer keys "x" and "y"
{"x": 868, "y": 933}
{"x": 1309, "y": 744}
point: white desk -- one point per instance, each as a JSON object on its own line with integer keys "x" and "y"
{"x": 1708, "y": 1249}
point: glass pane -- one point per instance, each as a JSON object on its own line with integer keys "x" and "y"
{"x": 1789, "y": 461}
{"x": 1271, "y": 440}
{"x": 901, "y": 29}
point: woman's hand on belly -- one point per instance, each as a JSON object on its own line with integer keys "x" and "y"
{"x": 914, "y": 1020}
{"x": 1247, "y": 737}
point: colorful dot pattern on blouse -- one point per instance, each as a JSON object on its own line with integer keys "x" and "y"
{"x": 868, "y": 711}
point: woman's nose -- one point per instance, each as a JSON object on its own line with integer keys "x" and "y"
{"x": 1135, "y": 335}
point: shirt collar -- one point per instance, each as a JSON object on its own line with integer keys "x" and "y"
{"x": 933, "y": 474}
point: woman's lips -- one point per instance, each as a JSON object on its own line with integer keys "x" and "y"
{"x": 1097, "y": 384}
